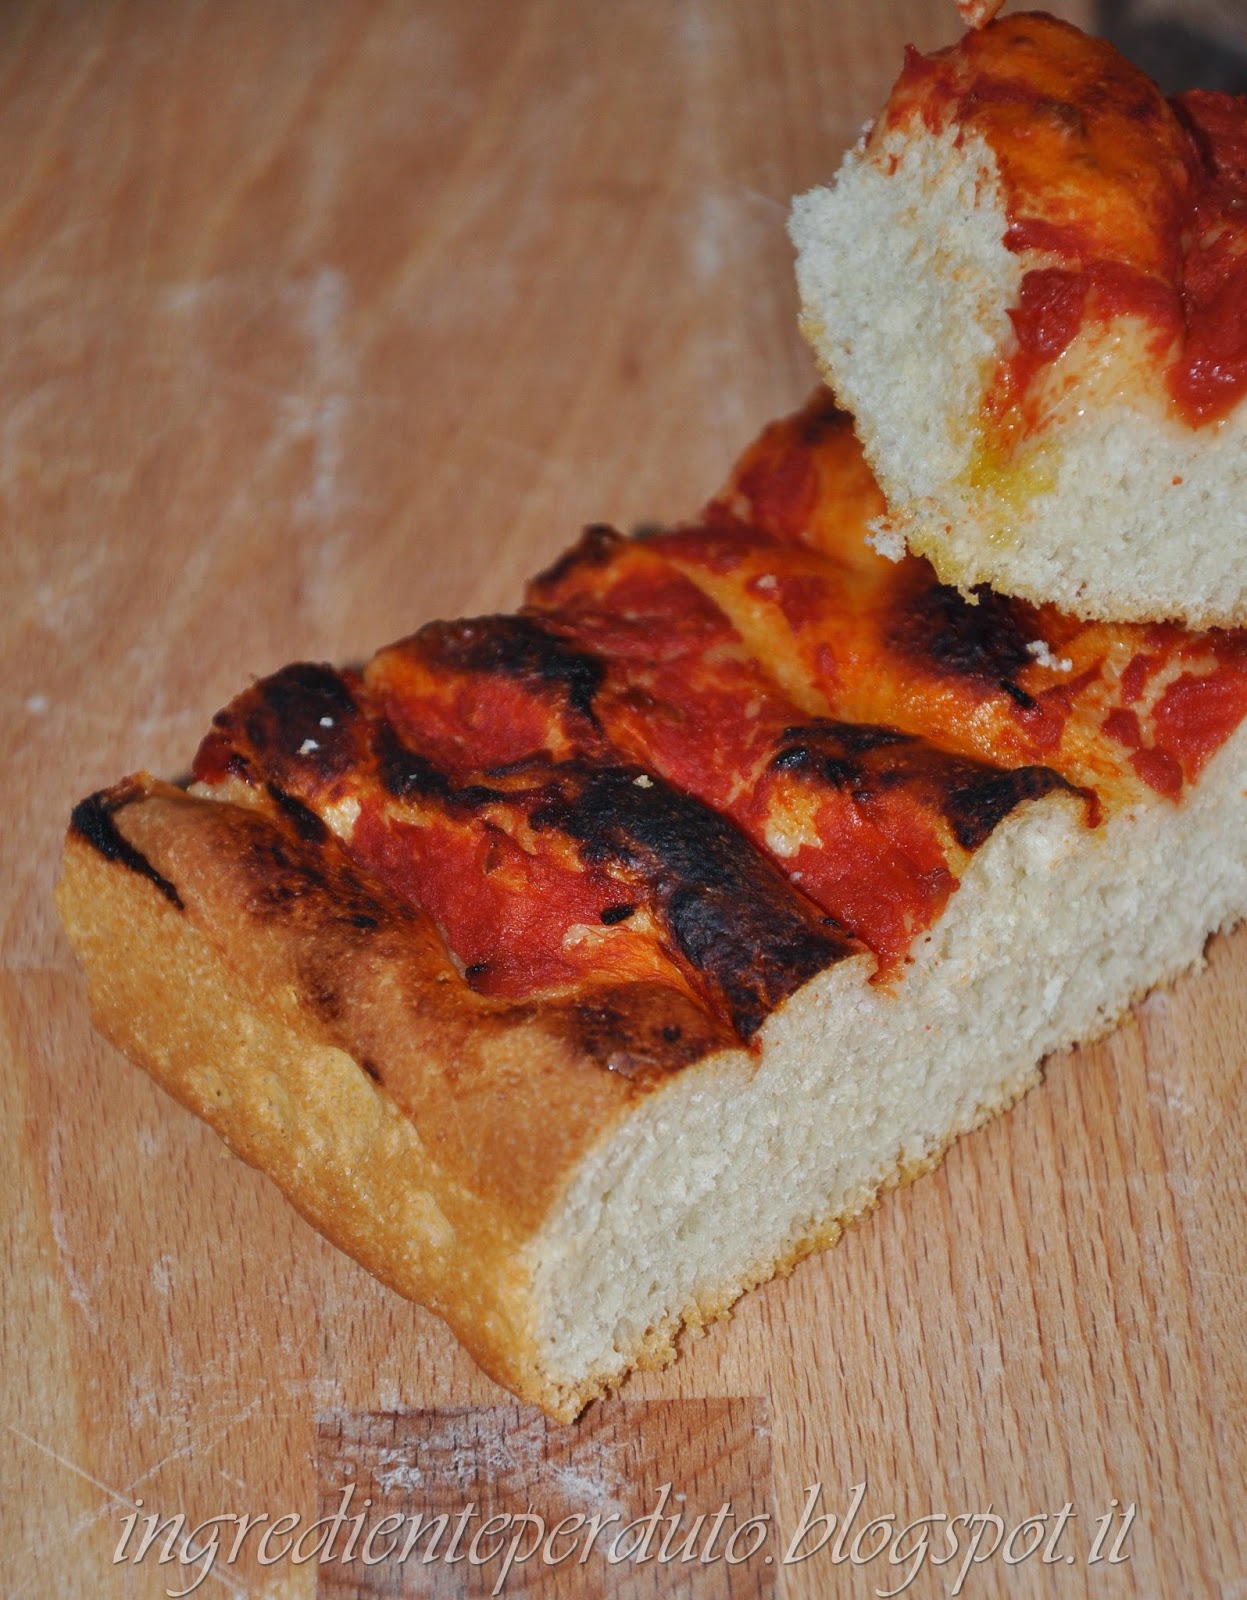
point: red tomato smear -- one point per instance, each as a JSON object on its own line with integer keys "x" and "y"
{"x": 1134, "y": 679}
{"x": 1191, "y": 720}
{"x": 1212, "y": 376}
{"x": 782, "y": 491}
{"x": 1053, "y": 304}
{"x": 1142, "y": 201}
{"x": 803, "y": 598}
{"x": 720, "y": 549}
{"x": 1124, "y": 727}
{"x": 827, "y": 672}
{"x": 1196, "y": 715}
{"x": 1159, "y": 771}
{"x": 860, "y": 870}
{"x": 653, "y": 613}
{"x": 1045, "y": 722}
{"x": 883, "y": 871}
{"x": 683, "y": 699}
{"x": 504, "y": 912}
{"x": 468, "y": 724}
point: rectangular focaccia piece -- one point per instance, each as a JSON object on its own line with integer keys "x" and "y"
{"x": 577, "y": 970}
{"x": 1029, "y": 283}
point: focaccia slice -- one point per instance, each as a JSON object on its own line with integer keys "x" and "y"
{"x": 1029, "y": 283}
{"x": 577, "y": 970}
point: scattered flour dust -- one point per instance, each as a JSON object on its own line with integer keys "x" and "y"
{"x": 513, "y": 1454}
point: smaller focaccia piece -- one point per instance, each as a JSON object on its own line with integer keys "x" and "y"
{"x": 1029, "y": 283}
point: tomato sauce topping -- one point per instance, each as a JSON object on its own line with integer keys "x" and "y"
{"x": 874, "y": 825}
{"x": 546, "y": 878}
{"x": 710, "y": 764}
{"x": 1001, "y": 680}
{"x": 1127, "y": 203}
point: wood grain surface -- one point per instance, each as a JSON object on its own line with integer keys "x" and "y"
{"x": 621, "y": 1463}
{"x": 320, "y": 320}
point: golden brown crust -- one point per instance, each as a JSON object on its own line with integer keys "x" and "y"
{"x": 317, "y": 1026}
{"x": 476, "y": 1077}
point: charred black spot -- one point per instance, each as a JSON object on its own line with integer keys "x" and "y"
{"x": 840, "y": 773}
{"x": 305, "y": 689}
{"x": 838, "y": 752}
{"x": 790, "y": 949}
{"x": 972, "y": 796}
{"x": 640, "y": 1030}
{"x": 520, "y": 648}
{"x": 519, "y": 768}
{"x": 856, "y": 739}
{"x": 408, "y": 775}
{"x": 1017, "y": 694}
{"x": 474, "y": 795}
{"x": 982, "y": 797}
{"x": 305, "y": 821}
{"x": 476, "y": 971}
{"x": 304, "y": 713}
{"x": 370, "y": 1067}
{"x": 293, "y": 876}
{"x": 327, "y": 1001}
{"x": 595, "y": 548}
{"x": 734, "y": 917}
{"x": 92, "y": 820}
{"x": 605, "y": 1030}
{"x": 613, "y": 914}
{"x": 279, "y": 880}
{"x": 986, "y": 641}
{"x": 405, "y": 773}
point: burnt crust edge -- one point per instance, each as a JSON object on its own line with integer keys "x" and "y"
{"x": 92, "y": 821}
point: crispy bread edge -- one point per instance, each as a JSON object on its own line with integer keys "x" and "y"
{"x": 175, "y": 988}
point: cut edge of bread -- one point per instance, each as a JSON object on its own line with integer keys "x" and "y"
{"x": 1111, "y": 507}
{"x": 736, "y": 1167}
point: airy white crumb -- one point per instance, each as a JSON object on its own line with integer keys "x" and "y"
{"x": 643, "y": 782}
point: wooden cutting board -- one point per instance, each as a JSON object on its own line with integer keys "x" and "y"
{"x": 320, "y": 320}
